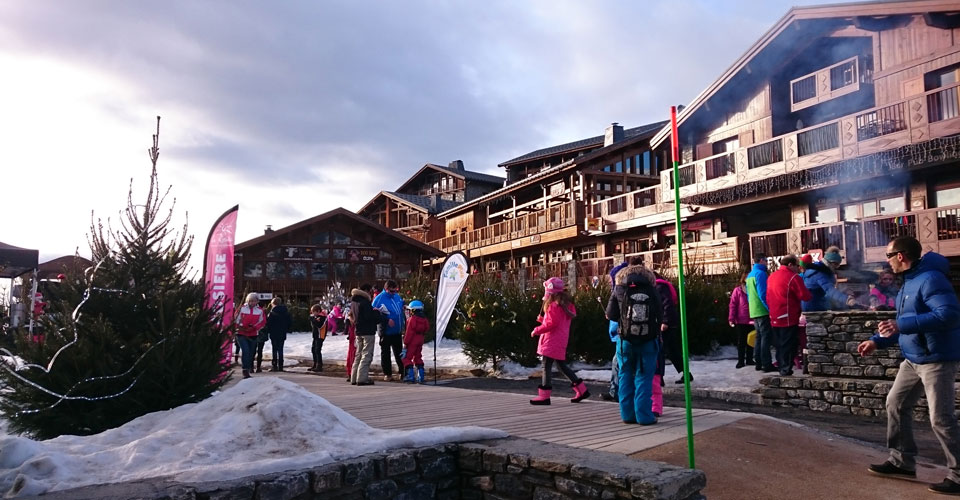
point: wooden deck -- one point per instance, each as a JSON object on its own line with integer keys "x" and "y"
{"x": 590, "y": 424}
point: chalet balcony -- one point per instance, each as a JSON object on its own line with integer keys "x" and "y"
{"x": 938, "y": 230}
{"x": 917, "y": 119}
{"x": 627, "y": 206}
{"x": 715, "y": 257}
{"x": 800, "y": 240}
{"x": 524, "y": 230}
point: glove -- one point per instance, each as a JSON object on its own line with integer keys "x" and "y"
{"x": 383, "y": 309}
{"x": 403, "y": 353}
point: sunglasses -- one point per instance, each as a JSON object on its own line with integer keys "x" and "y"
{"x": 891, "y": 255}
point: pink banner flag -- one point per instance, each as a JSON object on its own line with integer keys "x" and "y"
{"x": 218, "y": 266}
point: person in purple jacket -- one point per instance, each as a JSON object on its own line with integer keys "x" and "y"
{"x": 739, "y": 318}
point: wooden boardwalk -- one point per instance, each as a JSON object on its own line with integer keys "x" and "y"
{"x": 590, "y": 424}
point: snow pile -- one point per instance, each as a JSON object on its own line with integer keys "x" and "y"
{"x": 260, "y": 425}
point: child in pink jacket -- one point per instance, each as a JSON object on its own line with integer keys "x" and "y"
{"x": 554, "y": 331}
{"x": 739, "y": 318}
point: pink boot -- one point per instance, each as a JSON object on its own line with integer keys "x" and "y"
{"x": 657, "y": 396}
{"x": 543, "y": 396}
{"x": 580, "y": 391}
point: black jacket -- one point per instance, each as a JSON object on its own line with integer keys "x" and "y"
{"x": 365, "y": 318}
{"x": 279, "y": 320}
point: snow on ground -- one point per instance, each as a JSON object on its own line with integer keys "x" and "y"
{"x": 260, "y": 425}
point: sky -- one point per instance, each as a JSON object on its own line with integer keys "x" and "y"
{"x": 220, "y": 438}
{"x": 291, "y": 109}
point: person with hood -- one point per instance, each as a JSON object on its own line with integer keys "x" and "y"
{"x": 670, "y": 329}
{"x": 927, "y": 329}
{"x": 554, "y": 331}
{"x": 365, "y": 320}
{"x": 738, "y": 317}
{"x": 278, "y": 324}
{"x": 760, "y": 313}
{"x": 785, "y": 290}
{"x": 821, "y": 279}
{"x": 250, "y": 319}
{"x": 612, "y": 330}
{"x": 390, "y": 305}
{"x": 636, "y": 306}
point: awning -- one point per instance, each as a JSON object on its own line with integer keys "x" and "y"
{"x": 15, "y": 261}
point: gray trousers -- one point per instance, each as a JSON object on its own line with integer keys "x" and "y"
{"x": 361, "y": 360}
{"x": 936, "y": 382}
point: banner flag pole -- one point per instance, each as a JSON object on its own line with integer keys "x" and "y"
{"x": 675, "y": 149}
{"x": 453, "y": 276}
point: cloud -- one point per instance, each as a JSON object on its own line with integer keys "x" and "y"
{"x": 295, "y": 108}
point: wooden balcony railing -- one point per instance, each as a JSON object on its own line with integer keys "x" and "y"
{"x": 938, "y": 229}
{"x": 555, "y": 217}
{"x": 624, "y": 206}
{"x": 800, "y": 240}
{"x": 878, "y": 231}
{"x": 935, "y": 113}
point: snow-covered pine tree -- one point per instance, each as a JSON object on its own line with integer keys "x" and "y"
{"x": 144, "y": 340}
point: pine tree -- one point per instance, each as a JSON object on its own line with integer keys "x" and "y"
{"x": 130, "y": 337}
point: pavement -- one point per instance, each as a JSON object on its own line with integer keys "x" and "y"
{"x": 745, "y": 454}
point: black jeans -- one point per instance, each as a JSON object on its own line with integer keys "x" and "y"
{"x": 674, "y": 347}
{"x": 388, "y": 343}
{"x": 260, "y": 343}
{"x": 276, "y": 342}
{"x": 786, "y": 347}
{"x": 744, "y": 351}
{"x": 315, "y": 349}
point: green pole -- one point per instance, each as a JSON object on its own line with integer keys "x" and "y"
{"x": 682, "y": 285}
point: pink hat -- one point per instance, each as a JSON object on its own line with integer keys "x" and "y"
{"x": 552, "y": 286}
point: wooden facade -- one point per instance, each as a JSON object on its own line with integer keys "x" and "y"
{"x": 300, "y": 262}
{"x": 841, "y": 125}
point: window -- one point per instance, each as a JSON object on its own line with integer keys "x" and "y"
{"x": 360, "y": 270}
{"x": 318, "y": 271}
{"x": 618, "y": 168}
{"x": 341, "y": 271}
{"x": 253, "y": 269}
{"x": 403, "y": 271}
{"x": 383, "y": 271}
{"x": 274, "y": 254}
{"x": 628, "y": 169}
{"x": 321, "y": 253}
{"x": 275, "y": 270}
{"x": 647, "y": 166}
{"x": 947, "y": 195}
{"x": 340, "y": 239}
{"x": 320, "y": 238}
{"x": 385, "y": 255}
{"x": 943, "y": 105}
{"x": 895, "y": 205}
{"x": 339, "y": 254}
{"x": 870, "y": 209}
{"x": 587, "y": 252}
{"x": 831, "y": 214}
{"x": 851, "y": 212}
{"x": 298, "y": 270}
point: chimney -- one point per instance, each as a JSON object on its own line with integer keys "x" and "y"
{"x": 456, "y": 165}
{"x": 612, "y": 134}
{"x": 268, "y": 229}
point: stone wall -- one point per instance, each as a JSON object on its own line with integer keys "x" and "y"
{"x": 497, "y": 469}
{"x": 841, "y": 381}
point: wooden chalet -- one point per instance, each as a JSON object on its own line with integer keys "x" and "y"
{"x": 301, "y": 261}
{"x": 413, "y": 207}
{"x": 838, "y": 127}
{"x": 537, "y": 222}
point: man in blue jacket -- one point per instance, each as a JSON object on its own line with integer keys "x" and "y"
{"x": 821, "y": 279}
{"x": 391, "y": 333}
{"x": 928, "y": 330}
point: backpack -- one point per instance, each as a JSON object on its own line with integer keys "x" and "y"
{"x": 637, "y": 313}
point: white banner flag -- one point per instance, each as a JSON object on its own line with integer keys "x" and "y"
{"x": 453, "y": 276}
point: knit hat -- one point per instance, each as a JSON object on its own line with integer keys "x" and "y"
{"x": 806, "y": 260}
{"x": 552, "y": 286}
{"x": 832, "y": 257}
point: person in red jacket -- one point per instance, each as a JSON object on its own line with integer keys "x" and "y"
{"x": 417, "y": 326}
{"x": 785, "y": 290}
{"x": 250, "y": 319}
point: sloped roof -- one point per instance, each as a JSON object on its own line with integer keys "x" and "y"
{"x": 644, "y": 132}
{"x": 816, "y": 12}
{"x": 581, "y": 144}
{"x": 342, "y": 212}
{"x": 15, "y": 261}
{"x": 466, "y": 175}
{"x": 424, "y": 202}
